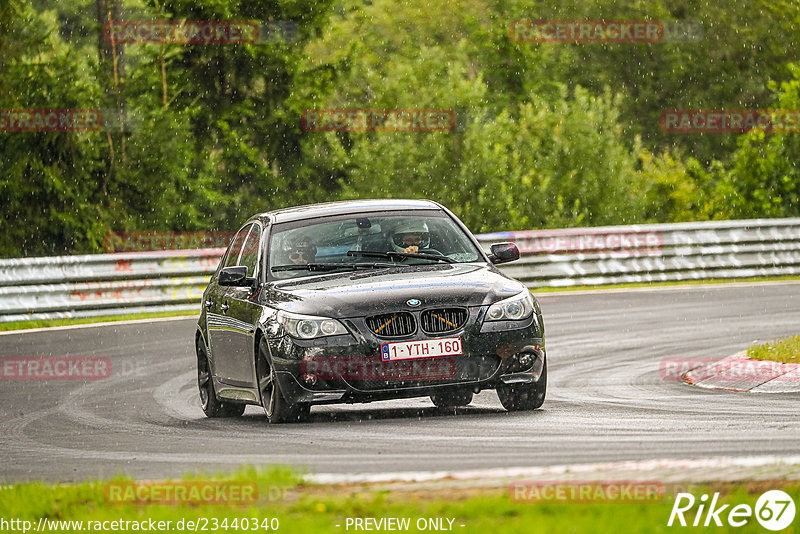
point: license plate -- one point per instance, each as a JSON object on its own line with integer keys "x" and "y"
{"x": 426, "y": 348}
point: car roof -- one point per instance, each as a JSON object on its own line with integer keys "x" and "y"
{"x": 343, "y": 208}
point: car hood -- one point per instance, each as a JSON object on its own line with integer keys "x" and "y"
{"x": 361, "y": 293}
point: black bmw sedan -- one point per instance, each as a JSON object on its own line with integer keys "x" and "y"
{"x": 360, "y": 301}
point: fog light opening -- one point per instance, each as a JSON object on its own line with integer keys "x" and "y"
{"x": 531, "y": 362}
{"x": 309, "y": 379}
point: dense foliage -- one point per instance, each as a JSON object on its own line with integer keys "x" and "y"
{"x": 547, "y": 134}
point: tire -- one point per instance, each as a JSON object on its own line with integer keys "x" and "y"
{"x": 211, "y": 405}
{"x": 276, "y": 407}
{"x": 517, "y": 397}
{"x": 452, "y": 399}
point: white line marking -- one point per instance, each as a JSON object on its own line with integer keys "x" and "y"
{"x": 681, "y": 465}
{"x": 95, "y": 325}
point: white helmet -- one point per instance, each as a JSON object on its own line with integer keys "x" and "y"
{"x": 410, "y": 227}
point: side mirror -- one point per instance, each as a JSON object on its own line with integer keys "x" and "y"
{"x": 235, "y": 276}
{"x": 503, "y": 253}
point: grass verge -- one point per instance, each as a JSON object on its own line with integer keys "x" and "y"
{"x": 45, "y": 323}
{"x": 291, "y": 505}
{"x": 785, "y": 350}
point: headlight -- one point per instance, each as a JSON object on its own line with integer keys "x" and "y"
{"x": 514, "y": 308}
{"x": 308, "y": 326}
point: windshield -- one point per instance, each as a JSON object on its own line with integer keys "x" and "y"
{"x": 377, "y": 240}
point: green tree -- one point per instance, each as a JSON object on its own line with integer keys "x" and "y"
{"x": 49, "y": 200}
{"x": 763, "y": 179}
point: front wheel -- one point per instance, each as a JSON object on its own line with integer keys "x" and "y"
{"x": 212, "y": 406}
{"x": 278, "y": 410}
{"x": 516, "y": 397}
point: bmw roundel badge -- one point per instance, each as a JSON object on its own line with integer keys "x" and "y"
{"x": 413, "y": 302}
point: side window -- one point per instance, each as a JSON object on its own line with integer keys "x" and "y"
{"x": 232, "y": 258}
{"x": 250, "y": 250}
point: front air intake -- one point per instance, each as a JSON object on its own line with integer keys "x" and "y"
{"x": 392, "y": 324}
{"x": 443, "y": 320}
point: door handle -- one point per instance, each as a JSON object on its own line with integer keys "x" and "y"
{"x": 224, "y": 308}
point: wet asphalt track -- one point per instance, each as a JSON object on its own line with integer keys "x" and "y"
{"x": 606, "y": 400}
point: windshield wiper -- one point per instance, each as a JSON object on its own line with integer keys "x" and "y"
{"x": 392, "y": 255}
{"x": 330, "y": 266}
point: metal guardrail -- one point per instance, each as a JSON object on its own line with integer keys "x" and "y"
{"x": 104, "y": 284}
{"x": 112, "y": 284}
{"x": 654, "y": 252}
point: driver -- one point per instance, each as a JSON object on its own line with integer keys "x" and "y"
{"x": 410, "y": 236}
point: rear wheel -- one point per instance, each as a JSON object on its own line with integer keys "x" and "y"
{"x": 278, "y": 410}
{"x": 451, "y": 399}
{"x": 516, "y": 397}
{"x": 212, "y": 406}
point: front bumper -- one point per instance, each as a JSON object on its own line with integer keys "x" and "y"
{"x": 348, "y": 368}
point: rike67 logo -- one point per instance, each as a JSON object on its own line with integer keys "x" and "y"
{"x": 774, "y": 510}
